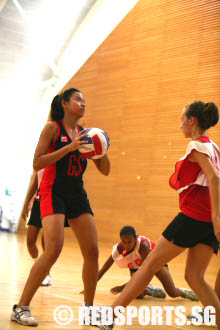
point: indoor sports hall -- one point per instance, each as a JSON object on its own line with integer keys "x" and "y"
{"x": 137, "y": 63}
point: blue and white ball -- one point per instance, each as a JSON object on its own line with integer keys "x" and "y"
{"x": 98, "y": 143}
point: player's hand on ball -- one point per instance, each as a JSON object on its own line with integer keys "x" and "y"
{"x": 77, "y": 143}
{"x": 97, "y": 143}
{"x": 116, "y": 289}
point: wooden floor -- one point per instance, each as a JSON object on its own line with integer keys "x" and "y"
{"x": 66, "y": 284}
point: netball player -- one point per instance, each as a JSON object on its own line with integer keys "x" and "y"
{"x": 197, "y": 226}
{"x": 130, "y": 253}
{"x": 62, "y": 192}
{"x": 34, "y": 223}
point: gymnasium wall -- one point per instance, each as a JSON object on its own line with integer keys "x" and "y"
{"x": 163, "y": 55}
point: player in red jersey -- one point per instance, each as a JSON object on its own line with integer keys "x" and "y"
{"x": 197, "y": 227}
{"x": 130, "y": 253}
{"x": 62, "y": 192}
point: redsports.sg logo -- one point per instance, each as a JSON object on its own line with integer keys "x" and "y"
{"x": 144, "y": 315}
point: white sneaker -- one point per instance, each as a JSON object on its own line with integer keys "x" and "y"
{"x": 102, "y": 327}
{"x": 84, "y": 321}
{"x": 22, "y": 315}
{"x": 189, "y": 294}
{"x": 47, "y": 281}
{"x": 155, "y": 292}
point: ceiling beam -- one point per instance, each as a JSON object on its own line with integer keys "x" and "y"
{"x": 2, "y": 4}
{"x": 50, "y": 62}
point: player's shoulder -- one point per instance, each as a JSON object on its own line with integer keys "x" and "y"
{"x": 142, "y": 238}
{"x": 144, "y": 243}
{"x": 52, "y": 123}
{"x": 120, "y": 248}
{"x": 50, "y": 130}
{"x": 51, "y": 126}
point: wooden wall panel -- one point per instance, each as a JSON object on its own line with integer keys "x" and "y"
{"x": 163, "y": 55}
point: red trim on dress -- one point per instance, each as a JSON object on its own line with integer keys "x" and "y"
{"x": 78, "y": 128}
{"x": 58, "y": 135}
{"x": 46, "y": 185}
{"x": 203, "y": 138}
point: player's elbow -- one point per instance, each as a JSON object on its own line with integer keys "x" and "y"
{"x": 36, "y": 165}
{"x": 106, "y": 171}
{"x": 214, "y": 179}
{"x": 36, "y": 168}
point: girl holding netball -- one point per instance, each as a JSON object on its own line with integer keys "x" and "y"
{"x": 62, "y": 192}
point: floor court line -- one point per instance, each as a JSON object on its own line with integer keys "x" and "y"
{"x": 60, "y": 296}
{"x": 80, "y": 301}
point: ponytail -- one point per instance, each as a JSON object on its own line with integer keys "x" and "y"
{"x": 56, "y": 112}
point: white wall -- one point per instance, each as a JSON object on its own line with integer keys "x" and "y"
{"x": 22, "y": 115}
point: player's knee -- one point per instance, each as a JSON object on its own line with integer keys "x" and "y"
{"x": 92, "y": 253}
{"x": 172, "y": 293}
{"x": 57, "y": 248}
{"x": 187, "y": 276}
{"x": 31, "y": 242}
{"x": 192, "y": 277}
{"x": 54, "y": 249}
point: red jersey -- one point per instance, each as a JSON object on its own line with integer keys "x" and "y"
{"x": 133, "y": 259}
{"x": 191, "y": 183}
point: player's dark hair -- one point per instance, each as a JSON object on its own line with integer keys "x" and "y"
{"x": 57, "y": 112}
{"x": 128, "y": 230}
{"x": 206, "y": 113}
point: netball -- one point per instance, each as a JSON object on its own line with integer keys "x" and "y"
{"x": 98, "y": 143}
